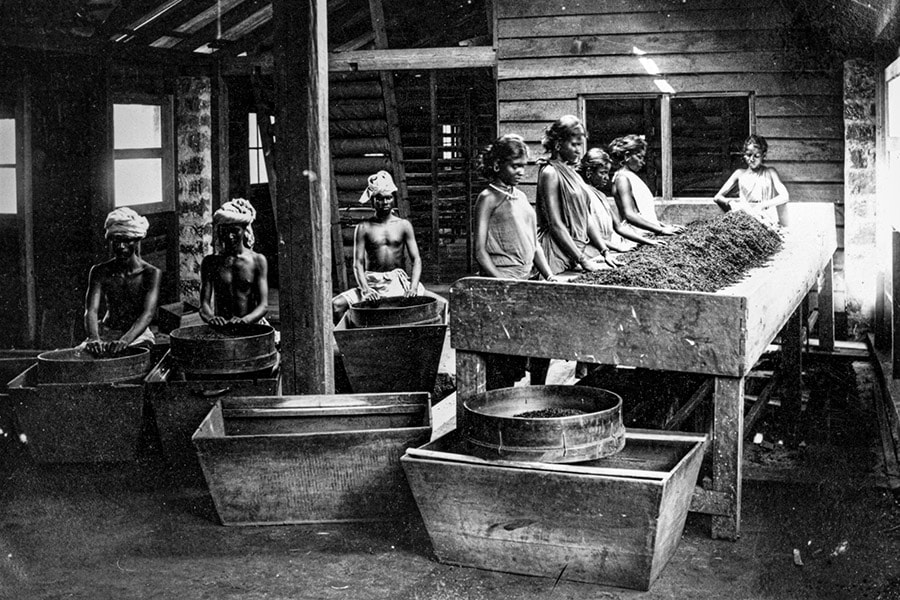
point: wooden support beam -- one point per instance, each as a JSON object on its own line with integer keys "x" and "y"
{"x": 703, "y": 392}
{"x": 266, "y": 138}
{"x": 728, "y": 446}
{"x": 826, "y": 308}
{"x": 390, "y": 108}
{"x": 759, "y": 405}
{"x": 895, "y": 303}
{"x": 710, "y": 502}
{"x": 435, "y": 191}
{"x": 792, "y": 369}
{"x": 471, "y": 380}
{"x": 221, "y": 188}
{"x": 25, "y": 210}
{"x": 304, "y": 215}
{"x": 413, "y": 59}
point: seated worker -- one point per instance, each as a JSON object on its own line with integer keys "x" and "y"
{"x": 379, "y": 247}
{"x": 234, "y": 285}
{"x": 126, "y": 284}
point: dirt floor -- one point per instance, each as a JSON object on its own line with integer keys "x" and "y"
{"x": 131, "y": 531}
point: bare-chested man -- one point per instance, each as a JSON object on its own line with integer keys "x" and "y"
{"x": 126, "y": 284}
{"x": 233, "y": 282}
{"x": 379, "y": 248}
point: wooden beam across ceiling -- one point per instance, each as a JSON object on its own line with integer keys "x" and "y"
{"x": 414, "y": 59}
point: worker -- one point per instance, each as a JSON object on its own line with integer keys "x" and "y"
{"x": 127, "y": 287}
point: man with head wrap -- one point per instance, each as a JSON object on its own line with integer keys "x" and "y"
{"x": 380, "y": 245}
{"x": 234, "y": 285}
{"x": 126, "y": 284}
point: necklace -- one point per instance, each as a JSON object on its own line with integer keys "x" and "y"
{"x": 508, "y": 192}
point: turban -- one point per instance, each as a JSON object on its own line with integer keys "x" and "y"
{"x": 237, "y": 212}
{"x": 381, "y": 183}
{"x": 124, "y": 222}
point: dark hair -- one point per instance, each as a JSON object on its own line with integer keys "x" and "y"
{"x": 505, "y": 148}
{"x": 623, "y": 147}
{"x": 564, "y": 128}
{"x": 592, "y": 159}
{"x": 758, "y": 141}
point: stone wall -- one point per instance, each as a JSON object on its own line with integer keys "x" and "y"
{"x": 193, "y": 118}
{"x": 860, "y": 268}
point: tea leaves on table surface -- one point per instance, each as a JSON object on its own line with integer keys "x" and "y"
{"x": 708, "y": 255}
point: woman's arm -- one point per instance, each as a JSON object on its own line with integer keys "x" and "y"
{"x": 781, "y": 194}
{"x": 543, "y": 267}
{"x": 359, "y": 263}
{"x": 207, "y": 274}
{"x": 720, "y": 199}
{"x": 92, "y": 306}
{"x": 484, "y": 208}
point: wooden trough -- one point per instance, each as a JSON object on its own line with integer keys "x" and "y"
{"x": 394, "y": 358}
{"x": 180, "y": 402}
{"x": 311, "y": 459}
{"x": 77, "y": 422}
{"x": 721, "y": 334}
{"x": 614, "y": 521}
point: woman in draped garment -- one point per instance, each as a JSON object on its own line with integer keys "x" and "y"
{"x": 567, "y": 234}
{"x": 760, "y": 190}
{"x": 634, "y": 199}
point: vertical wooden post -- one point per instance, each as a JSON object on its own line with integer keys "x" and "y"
{"x": 221, "y": 189}
{"x": 25, "y": 210}
{"x": 471, "y": 379}
{"x": 435, "y": 188}
{"x": 665, "y": 110}
{"x": 792, "y": 369}
{"x": 826, "y": 308}
{"x": 728, "y": 446}
{"x": 895, "y": 303}
{"x": 304, "y": 207}
{"x": 376, "y": 10}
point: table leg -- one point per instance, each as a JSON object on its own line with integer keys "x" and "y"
{"x": 728, "y": 446}
{"x": 471, "y": 379}
{"x": 826, "y": 308}
{"x": 792, "y": 371}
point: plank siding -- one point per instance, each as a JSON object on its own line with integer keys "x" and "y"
{"x": 550, "y": 53}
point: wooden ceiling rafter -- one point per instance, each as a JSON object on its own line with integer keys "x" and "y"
{"x": 223, "y": 27}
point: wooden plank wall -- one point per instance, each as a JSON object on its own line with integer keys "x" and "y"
{"x": 552, "y": 51}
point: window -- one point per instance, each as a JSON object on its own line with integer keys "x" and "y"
{"x": 142, "y": 154}
{"x": 258, "y": 172}
{"x": 8, "y": 193}
{"x": 694, "y": 141}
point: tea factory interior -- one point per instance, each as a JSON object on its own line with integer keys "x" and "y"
{"x": 465, "y": 299}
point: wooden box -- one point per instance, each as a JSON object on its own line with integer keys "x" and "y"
{"x": 308, "y": 459}
{"x": 179, "y": 404}
{"x": 614, "y": 521}
{"x": 391, "y": 359}
{"x": 77, "y": 422}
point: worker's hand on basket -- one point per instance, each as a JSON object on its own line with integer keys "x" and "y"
{"x": 370, "y": 294}
{"x": 218, "y": 321}
{"x": 94, "y": 347}
{"x": 116, "y": 346}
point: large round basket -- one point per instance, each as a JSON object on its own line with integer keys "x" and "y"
{"x": 393, "y": 312}
{"x": 205, "y": 350}
{"x": 77, "y": 365}
{"x": 593, "y": 428}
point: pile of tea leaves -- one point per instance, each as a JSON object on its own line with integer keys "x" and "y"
{"x": 708, "y": 255}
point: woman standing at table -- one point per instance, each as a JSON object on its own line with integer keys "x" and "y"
{"x": 568, "y": 236}
{"x": 595, "y": 168}
{"x": 633, "y": 198}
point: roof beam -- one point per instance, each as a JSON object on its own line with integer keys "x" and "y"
{"x": 415, "y": 59}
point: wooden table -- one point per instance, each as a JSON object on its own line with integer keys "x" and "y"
{"x": 720, "y": 334}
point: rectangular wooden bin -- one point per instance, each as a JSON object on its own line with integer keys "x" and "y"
{"x": 180, "y": 403}
{"x": 77, "y": 422}
{"x": 615, "y": 521}
{"x": 309, "y": 459}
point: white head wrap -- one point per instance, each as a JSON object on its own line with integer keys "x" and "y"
{"x": 124, "y": 222}
{"x": 237, "y": 212}
{"x": 380, "y": 183}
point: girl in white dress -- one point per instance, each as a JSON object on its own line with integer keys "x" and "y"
{"x": 760, "y": 190}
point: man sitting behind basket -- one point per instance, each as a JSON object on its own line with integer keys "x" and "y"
{"x": 234, "y": 285}
{"x": 379, "y": 247}
{"x": 127, "y": 285}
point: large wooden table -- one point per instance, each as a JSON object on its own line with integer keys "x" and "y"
{"x": 720, "y": 334}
